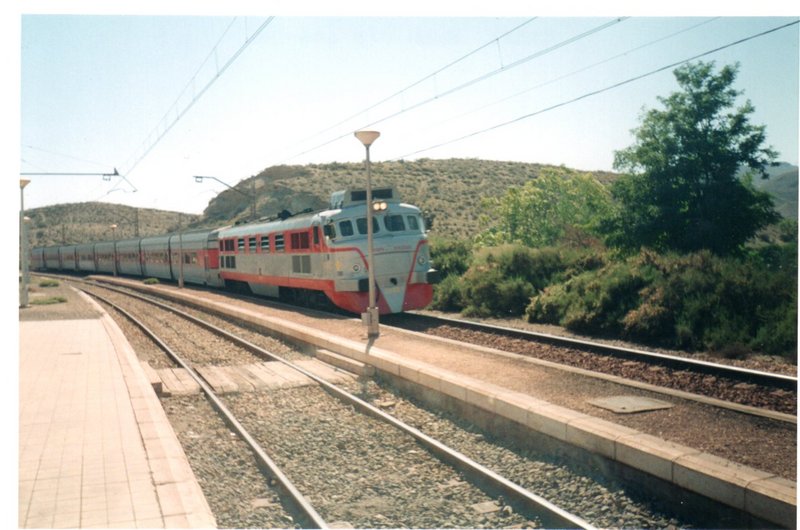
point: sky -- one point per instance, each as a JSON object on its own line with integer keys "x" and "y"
{"x": 164, "y": 96}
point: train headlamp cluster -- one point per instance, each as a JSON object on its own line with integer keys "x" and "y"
{"x": 379, "y": 206}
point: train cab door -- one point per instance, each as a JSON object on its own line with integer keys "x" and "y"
{"x": 316, "y": 249}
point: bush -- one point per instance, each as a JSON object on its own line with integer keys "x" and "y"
{"x": 447, "y": 295}
{"x": 451, "y": 256}
{"x": 150, "y": 281}
{"x": 49, "y": 283}
{"x": 502, "y": 279}
{"x": 491, "y": 293}
{"x": 594, "y": 301}
{"x": 696, "y": 301}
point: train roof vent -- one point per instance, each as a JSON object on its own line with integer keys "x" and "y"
{"x": 344, "y": 198}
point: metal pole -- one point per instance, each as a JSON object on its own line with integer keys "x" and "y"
{"x": 114, "y": 235}
{"x": 180, "y": 257}
{"x": 23, "y": 232}
{"x": 373, "y": 329}
{"x": 253, "y": 206}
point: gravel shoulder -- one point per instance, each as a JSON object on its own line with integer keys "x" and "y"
{"x": 760, "y": 362}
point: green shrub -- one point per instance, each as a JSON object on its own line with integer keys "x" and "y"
{"x": 695, "y": 301}
{"x": 49, "y": 283}
{"x": 489, "y": 292}
{"x": 447, "y": 295}
{"x": 501, "y": 280}
{"x": 451, "y": 256}
{"x": 150, "y": 281}
{"x": 594, "y": 301}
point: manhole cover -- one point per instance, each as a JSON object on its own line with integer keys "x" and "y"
{"x": 629, "y": 404}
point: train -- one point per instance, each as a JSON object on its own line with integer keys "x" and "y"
{"x": 312, "y": 258}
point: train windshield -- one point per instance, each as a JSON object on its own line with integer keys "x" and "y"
{"x": 392, "y": 223}
{"x": 361, "y": 223}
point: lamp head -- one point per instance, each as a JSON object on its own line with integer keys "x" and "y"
{"x": 367, "y": 137}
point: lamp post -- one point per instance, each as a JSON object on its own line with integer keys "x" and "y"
{"x": 252, "y": 197}
{"x": 370, "y": 318}
{"x": 23, "y": 233}
{"x": 114, "y": 257}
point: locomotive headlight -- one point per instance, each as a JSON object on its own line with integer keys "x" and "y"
{"x": 421, "y": 260}
{"x": 379, "y": 206}
{"x": 356, "y": 267}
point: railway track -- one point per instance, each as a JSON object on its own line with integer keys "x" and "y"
{"x": 754, "y": 390}
{"x": 629, "y": 506}
{"x": 315, "y": 410}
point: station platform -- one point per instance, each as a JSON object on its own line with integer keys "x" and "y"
{"x": 95, "y": 446}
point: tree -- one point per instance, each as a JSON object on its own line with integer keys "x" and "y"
{"x": 683, "y": 191}
{"x": 545, "y": 209}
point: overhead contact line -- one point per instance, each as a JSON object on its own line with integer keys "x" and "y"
{"x": 598, "y": 91}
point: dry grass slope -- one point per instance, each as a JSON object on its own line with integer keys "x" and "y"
{"x": 91, "y": 221}
{"x": 449, "y": 191}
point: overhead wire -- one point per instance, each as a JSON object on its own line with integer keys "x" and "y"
{"x": 471, "y": 82}
{"x": 56, "y": 153}
{"x": 205, "y": 88}
{"x": 583, "y": 69}
{"x": 427, "y": 77}
{"x": 596, "y": 92}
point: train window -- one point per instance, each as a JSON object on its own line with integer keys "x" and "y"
{"x": 346, "y": 228}
{"x": 413, "y": 223}
{"x": 316, "y": 235}
{"x": 221, "y": 245}
{"x": 394, "y": 223}
{"x": 241, "y": 244}
{"x": 361, "y": 223}
{"x": 229, "y": 244}
{"x": 265, "y": 243}
{"x": 300, "y": 240}
{"x": 279, "y": 244}
{"x": 251, "y": 244}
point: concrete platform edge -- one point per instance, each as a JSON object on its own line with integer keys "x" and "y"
{"x": 182, "y": 501}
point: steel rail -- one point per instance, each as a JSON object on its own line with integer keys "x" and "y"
{"x": 301, "y": 505}
{"x": 767, "y": 379}
{"x": 519, "y": 497}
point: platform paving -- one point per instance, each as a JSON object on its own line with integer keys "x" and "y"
{"x": 95, "y": 447}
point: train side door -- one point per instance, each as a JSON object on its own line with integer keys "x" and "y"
{"x": 316, "y": 250}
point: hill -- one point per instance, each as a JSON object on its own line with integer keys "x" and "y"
{"x": 91, "y": 221}
{"x": 449, "y": 192}
{"x": 782, "y": 185}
